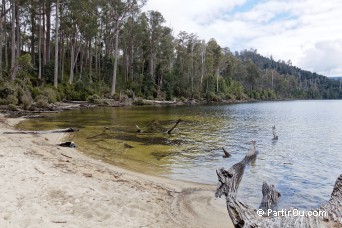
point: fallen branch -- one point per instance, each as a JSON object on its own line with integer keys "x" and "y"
{"x": 138, "y": 129}
{"x": 155, "y": 127}
{"x": 171, "y": 129}
{"x": 226, "y": 153}
{"x": 65, "y": 155}
{"x": 43, "y": 132}
{"x": 33, "y": 116}
{"x": 39, "y": 170}
{"x": 59, "y": 221}
{"x": 243, "y": 215}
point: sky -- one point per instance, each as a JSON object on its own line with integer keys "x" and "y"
{"x": 307, "y": 32}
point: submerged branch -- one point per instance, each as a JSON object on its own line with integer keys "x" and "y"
{"x": 171, "y": 129}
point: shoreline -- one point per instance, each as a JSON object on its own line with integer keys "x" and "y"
{"x": 50, "y": 186}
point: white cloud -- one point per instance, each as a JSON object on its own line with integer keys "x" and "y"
{"x": 286, "y": 29}
{"x": 325, "y": 56}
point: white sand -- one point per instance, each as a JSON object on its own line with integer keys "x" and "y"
{"x": 39, "y": 187}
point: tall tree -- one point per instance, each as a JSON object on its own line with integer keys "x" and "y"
{"x": 55, "y": 78}
{"x": 13, "y": 42}
{"x": 120, "y": 11}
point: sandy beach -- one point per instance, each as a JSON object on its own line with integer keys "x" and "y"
{"x": 43, "y": 185}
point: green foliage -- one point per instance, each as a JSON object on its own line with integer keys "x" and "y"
{"x": 26, "y": 100}
{"x": 153, "y": 63}
{"x": 12, "y": 107}
{"x": 41, "y": 101}
{"x": 93, "y": 98}
{"x": 12, "y": 99}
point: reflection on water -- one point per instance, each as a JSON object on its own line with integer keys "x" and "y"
{"x": 303, "y": 164}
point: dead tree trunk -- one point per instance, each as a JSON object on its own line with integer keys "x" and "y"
{"x": 243, "y": 215}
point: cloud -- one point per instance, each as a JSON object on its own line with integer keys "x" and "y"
{"x": 285, "y": 29}
{"x": 325, "y": 57}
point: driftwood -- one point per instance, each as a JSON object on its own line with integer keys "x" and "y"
{"x": 242, "y": 215}
{"x": 174, "y": 126}
{"x": 226, "y": 153}
{"x": 33, "y": 116}
{"x": 155, "y": 127}
{"x": 67, "y": 144}
{"x": 43, "y": 132}
{"x": 275, "y": 136}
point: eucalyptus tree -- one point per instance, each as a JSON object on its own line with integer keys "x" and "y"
{"x": 212, "y": 62}
{"x": 119, "y": 11}
{"x": 3, "y": 33}
{"x": 13, "y": 42}
{"x": 55, "y": 79}
{"x": 165, "y": 56}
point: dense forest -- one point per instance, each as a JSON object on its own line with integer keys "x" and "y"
{"x": 55, "y": 50}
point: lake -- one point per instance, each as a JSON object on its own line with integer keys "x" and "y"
{"x": 303, "y": 164}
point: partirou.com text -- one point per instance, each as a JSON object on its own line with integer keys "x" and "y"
{"x": 291, "y": 212}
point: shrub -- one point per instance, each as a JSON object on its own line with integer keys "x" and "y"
{"x": 26, "y": 100}
{"x": 42, "y": 101}
{"x": 12, "y": 107}
{"x": 12, "y": 99}
{"x": 50, "y": 94}
{"x": 7, "y": 89}
{"x": 93, "y": 98}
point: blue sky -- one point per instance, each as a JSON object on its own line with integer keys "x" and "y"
{"x": 307, "y": 32}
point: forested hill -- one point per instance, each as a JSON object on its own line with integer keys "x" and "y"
{"x": 309, "y": 84}
{"x": 53, "y": 50}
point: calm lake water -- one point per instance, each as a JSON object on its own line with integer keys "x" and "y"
{"x": 303, "y": 164}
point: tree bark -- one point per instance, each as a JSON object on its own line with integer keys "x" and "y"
{"x": 48, "y": 31}
{"x": 13, "y": 43}
{"x": 17, "y": 28}
{"x": 55, "y": 78}
{"x": 33, "y": 30}
{"x": 40, "y": 44}
{"x": 5, "y": 35}
{"x": 116, "y": 56}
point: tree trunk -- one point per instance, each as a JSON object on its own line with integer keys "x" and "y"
{"x": 17, "y": 26}
{"x": 2, "y": 32}
{"x": 62, "y": 58}
{"x": 116, "y": 56}
{"x": 44, "y": 33}
{"x": 81, "y": 64}
{"x": 33, "y": 30}
{"x": 90, "y": 56}
{"x": 72, "y": 54}
{"x": 73, "y": 59}
{"x": 202, "y": 66}
{"x": 96, "y": 57}
{"x": 13, "y": 43}
{"x": 40, "y": 44}
{"x": 217, "y": 79}
{"x": 55, "y": 78}
{"x": 6, "y": 42}
{"x": 48, "y": 31}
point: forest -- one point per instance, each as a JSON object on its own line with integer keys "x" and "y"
{"x": 54, "y": 50}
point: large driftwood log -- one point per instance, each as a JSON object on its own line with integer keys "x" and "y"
{"x": 43, "y": 132}
{"x": 275, "y": 136}
{"x": 242, "y": 215}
